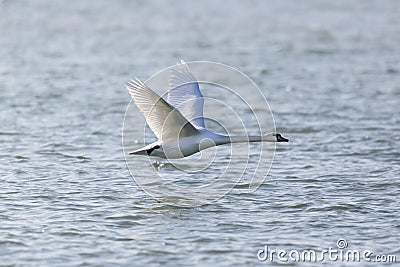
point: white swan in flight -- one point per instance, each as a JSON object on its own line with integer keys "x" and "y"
{"x": 178, "y": 122}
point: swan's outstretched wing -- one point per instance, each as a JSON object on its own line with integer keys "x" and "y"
{"x": 165, "y": 121}
{"x": 184, "y": 94}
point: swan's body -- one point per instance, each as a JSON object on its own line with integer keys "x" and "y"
{"x": 178, "y": 122}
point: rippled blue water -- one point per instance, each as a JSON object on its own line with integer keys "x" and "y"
{"x": 331, "y": 73}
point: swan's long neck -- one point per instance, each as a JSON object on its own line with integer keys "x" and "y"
{"x": 258, "y": 138}
{"x": 244, "y": 139}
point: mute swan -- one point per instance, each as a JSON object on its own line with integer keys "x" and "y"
{"x": 178, "y": 122}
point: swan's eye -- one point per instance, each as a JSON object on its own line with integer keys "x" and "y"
{"x": 156, "y": 147}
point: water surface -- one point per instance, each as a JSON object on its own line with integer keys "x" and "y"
{"x": 330, "y": 71}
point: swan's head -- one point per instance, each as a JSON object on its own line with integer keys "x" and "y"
{"x": 280, "y": 138}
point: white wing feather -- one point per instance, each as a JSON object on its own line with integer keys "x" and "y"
{"x": 165, "y": 121}
{"x": 184, "y": 94}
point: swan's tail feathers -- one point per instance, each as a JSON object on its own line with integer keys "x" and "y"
{"x": 139, "y": 152}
